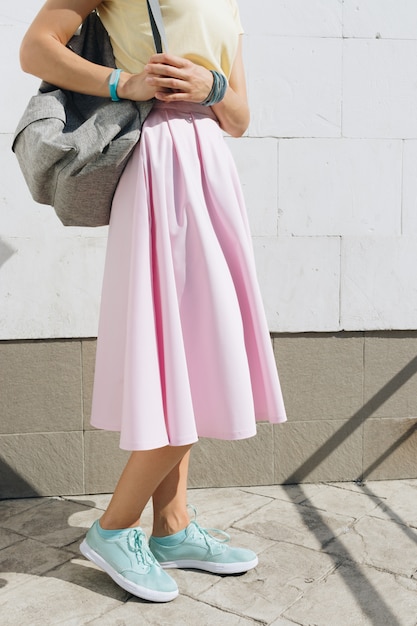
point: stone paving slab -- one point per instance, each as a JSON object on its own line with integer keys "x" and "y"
{"x": 31, "y": 557}
{"x": 284, "y": 574}
{"x": 8, "y": 508}
{"x": 340, "y": 554}
{"x": 377, "y": 543}
{"x": 47, "y": 522}
{"x": 296, "y": 523}
{"x": 342, "y": 502}
{"x": 357, "y": 596}
{"x": 187, "y": 611}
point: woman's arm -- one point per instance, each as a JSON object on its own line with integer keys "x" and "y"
{"x": 233, "y": 111}
{"x": 43, "y": 53}
{"x": 179, "y": 80}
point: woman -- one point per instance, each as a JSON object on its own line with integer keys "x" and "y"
{"x": 183, "y": 347}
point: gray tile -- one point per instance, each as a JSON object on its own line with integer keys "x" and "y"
{"x": 195, "y": 583}
{"x": 358, "y": 595}
{"x": 356, "y": 486}
{"x": 41, "y": 386}
{"x": 13, "y": 507}
{"x": 390, "y": 448}
{"x": 8, "y": 538}
{"x": 88, "y": 347}
{"x": 343, "y": 502}
{"x": 97, "y": 501}
{"x": 289, "y": 493}
{"x": 47, "y": 601}
{"x": 321, "y": 374}
{"x": 11, "y": 580}
{"x": 86, "y": 575}
{"x": 31, "y": 557}
{"x": 41, "y": 464}
{"x": 318, "y": 451}
{"x": 50, "y": 522}
{"x": 104, "y": 461}
{"x": 82, "y": 520}
{"x": 182, "y": 610}
{"x": 222, "y": 508}
{"x": 217, "y": 463}
{"x": 397, "y": 503}
{"x": 297, "y": 581}
{"x": 257, "y": 543}
{"x": 391, "y": 373}
{"x": 296, "y": 524}
{"x": 284, "y": 573}
{"x": 375, "y": 542}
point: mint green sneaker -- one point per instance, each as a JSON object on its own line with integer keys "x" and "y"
{"x": 128, "y": 561}
{"x": 200, "y": 550}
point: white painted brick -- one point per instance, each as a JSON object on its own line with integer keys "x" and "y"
{"x": 21, "y": 12}
{"x": 379, "y": 89}
{"x": 339, "y": 187}
{"x": 51, "y": 275}
{"x": 390, "y": 19}
{"x": 409, "y": 218}
{"x": 50, "y": 286}
{"x": 299, "y": 279}
{"x": 20, "y": 215}
{"x": 295, "y": 86}
{"x": 257, "y": 163}
{"x": 288, "y": 18}
{"x": 17, "y": 87}
{"x": 379, "y": 283}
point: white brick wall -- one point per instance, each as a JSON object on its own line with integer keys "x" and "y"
{"x": 328, "y": 167}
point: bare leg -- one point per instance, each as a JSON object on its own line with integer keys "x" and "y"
{"x": 143, "y": 473}
{"x": 170, "y": 501}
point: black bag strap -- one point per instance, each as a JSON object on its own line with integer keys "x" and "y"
{"x": 157, "y": 25}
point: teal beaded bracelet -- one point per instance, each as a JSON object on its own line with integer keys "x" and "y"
{"x": 113, "y": 83}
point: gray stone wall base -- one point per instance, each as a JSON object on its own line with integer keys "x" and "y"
{"x": 351, "y": 400}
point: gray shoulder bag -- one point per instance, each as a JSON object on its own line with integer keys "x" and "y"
{"x": 72, "y": 148}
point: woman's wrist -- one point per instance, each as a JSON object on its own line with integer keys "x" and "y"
{"x": 218, "y": 89}
{"x": 122, "y": 90}
{"x": 134, "y": 87}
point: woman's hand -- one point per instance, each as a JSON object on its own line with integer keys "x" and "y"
{"x": 175, "y": 79}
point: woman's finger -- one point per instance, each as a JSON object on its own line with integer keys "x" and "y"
{"x": 160, "y": 69}
{"x": 168, "y": 59}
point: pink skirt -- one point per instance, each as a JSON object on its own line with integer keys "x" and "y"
{"x": 183, "y": 346}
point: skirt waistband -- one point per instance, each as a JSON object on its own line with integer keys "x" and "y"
{"x": 185, "y": 108}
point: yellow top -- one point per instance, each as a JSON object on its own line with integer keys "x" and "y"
{"x": 203, "y": 31}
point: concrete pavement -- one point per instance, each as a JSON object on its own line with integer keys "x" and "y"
{"x": 340, "y": 554}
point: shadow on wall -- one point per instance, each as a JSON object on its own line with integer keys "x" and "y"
{"x": 6, "y": 251}
{"x": 364, "y": 413}
{"x": 12, "y": 483}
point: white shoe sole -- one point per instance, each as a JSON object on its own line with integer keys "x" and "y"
{"x": 211, "y": 566}
{"x": 124, "y": 583}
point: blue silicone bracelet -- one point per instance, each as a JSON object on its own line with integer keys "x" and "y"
{"x": 113, "y": 82}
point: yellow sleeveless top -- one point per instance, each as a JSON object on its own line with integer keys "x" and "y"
{"x": 203, "y": 31}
